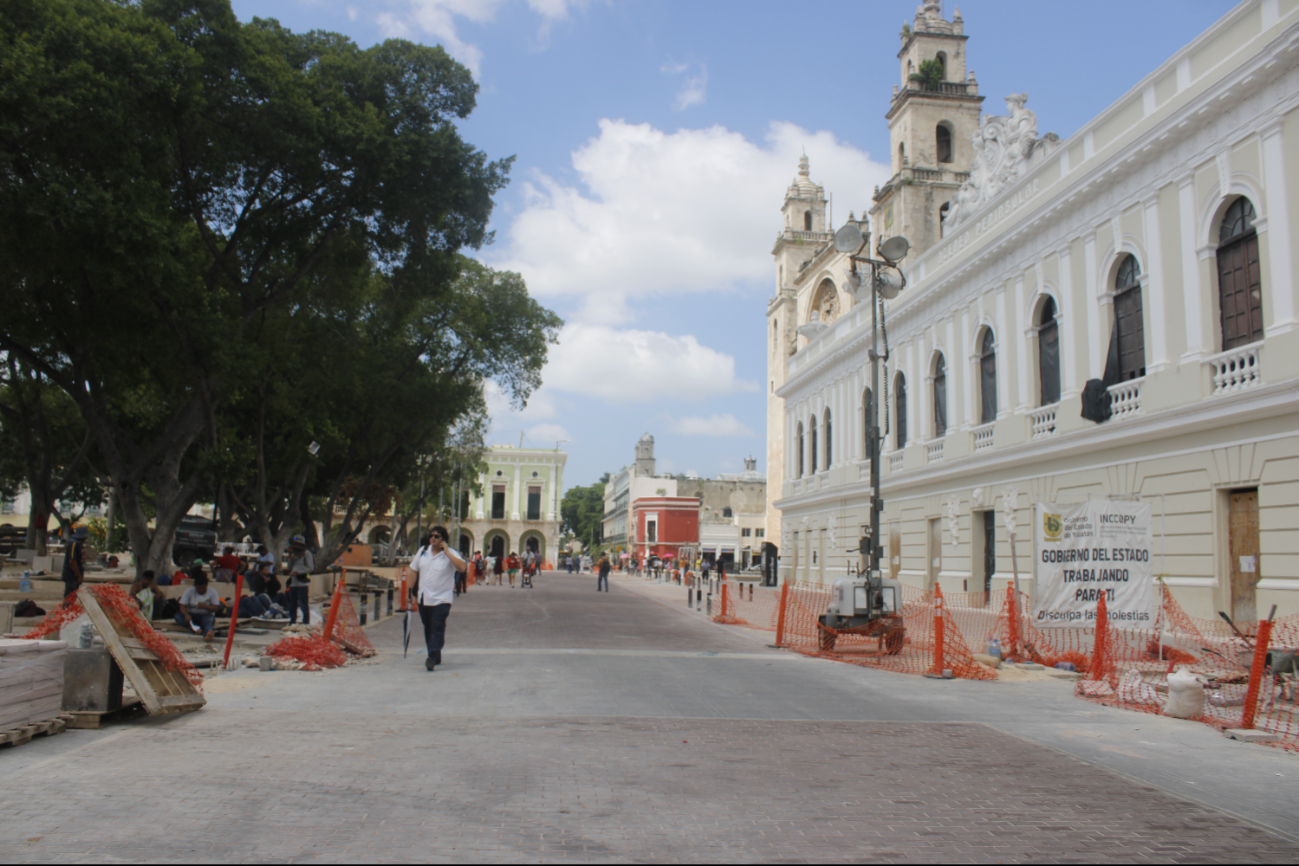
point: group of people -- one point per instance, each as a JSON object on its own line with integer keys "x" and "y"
{"x": 200, "y": 604}
{"x": 499, "y": 566}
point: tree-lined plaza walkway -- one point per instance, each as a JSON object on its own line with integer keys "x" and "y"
{"x": 571, "y": 726}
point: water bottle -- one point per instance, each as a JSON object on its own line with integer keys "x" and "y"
{"x": 25, "y": 582}
{"x": 994, "y": 648}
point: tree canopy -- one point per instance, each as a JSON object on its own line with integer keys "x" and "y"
{"x": 223, "y": 241}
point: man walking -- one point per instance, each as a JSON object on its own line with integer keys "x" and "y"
{"x": 435, "y": 567}
{"x": 603, "y": 579}
{"x": 74, "y": 561}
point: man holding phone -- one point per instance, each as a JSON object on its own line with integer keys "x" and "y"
{"x": 435, "y": 567}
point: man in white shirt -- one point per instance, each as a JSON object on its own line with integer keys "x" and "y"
{"x": 435, "y": 567}
{"x": 198, "y": 607}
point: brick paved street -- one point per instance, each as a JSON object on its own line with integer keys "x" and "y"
{"x": 573, "y": 727}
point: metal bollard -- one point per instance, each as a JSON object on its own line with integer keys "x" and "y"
{"x": 710, "y": 604}
{"x": 363, "y": 606}
{"x": 389, "y": 599}
{"x": 690, "y": 599}
{"x": 376, "y": 607}
{"x": 699, "y": 597}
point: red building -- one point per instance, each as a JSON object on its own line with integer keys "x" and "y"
{"x": 664, "y": 524}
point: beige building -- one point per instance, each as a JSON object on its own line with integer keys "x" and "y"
{"x": 518, "y": 508}
{"x": 1150, "y": 255}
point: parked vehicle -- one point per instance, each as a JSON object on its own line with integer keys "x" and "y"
{"x": 195, "y": 538}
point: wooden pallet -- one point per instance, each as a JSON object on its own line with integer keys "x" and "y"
{"x": 160, "y": 689}
{"x": 49, "y": 727}
{"x": 94, "y": 720}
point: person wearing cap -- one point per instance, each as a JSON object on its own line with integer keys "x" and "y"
{"x": 435, "y": 567}
{"x": 74, "y": 561}
{"x": 301, "y": 564}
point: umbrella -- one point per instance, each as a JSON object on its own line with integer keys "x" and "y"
{"x": 405, "y": 634}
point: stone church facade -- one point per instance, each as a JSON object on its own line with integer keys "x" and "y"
{"x": 1149, "y": 254}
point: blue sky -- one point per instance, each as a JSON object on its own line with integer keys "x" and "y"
{"x": 654, "y": 143}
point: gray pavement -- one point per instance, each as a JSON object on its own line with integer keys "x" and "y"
{"x": 568, "y": 726}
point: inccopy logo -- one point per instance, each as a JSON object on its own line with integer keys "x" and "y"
{"x": 1052, "y": 526}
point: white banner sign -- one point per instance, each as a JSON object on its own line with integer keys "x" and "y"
{"x": 1084, "y": 550}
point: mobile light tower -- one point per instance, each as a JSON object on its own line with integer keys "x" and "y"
{"x": 870, "y": 607}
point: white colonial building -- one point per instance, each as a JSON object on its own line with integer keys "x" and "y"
{"x": 1151, "y": 254}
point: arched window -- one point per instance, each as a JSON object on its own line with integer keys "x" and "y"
{"x": 807, "y": 220}
{"x": 1129, "y": 326}
{"x": 800, "y": 450}
{"x": 942, "y": 62}
{"x": 1240, "y": 282}
{"x": 775, "y": 335}
{"x": 829, "y": 442}
{"x": 902, "y": 155}
{"x": 900, "y": 410}
{"x": 942, "y": 215}
{"x": 1048, "y": 353}
{"x": 988, "y": 378}
{"x": 940, "y": 398}
{"x": 944, "y": 140}
{"x": 811, "y": 435}
{"x": 867, "y": 403}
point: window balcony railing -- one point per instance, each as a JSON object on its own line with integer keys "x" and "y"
{"x": 896, "y": 460}
{"x": 1236, "y": 370}
{"x": 1125, "y": 399}
{"x": 806, "y": 237}
{"x": 983, "y": 437}
{"x": 1042, "y": 421}
{"x": 934, "y": 451}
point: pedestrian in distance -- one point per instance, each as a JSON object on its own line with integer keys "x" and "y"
{"x": 498, "y": 569}
{"x": 480, "y": 568}
{"x": 603, "y": 579}
{"x": 74, "y": 561}
{"x": 301, "y": 564}
{"x": 512, "y": 564}
{"x": 435, "y": 567}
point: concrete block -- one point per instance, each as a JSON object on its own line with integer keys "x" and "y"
{"x": 1250, "y": 736}
{"x": 92, "y": 682}
{"x": 7, "y": 616}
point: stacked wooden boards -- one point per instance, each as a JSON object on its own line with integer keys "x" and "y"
{"x": 31, "y": 681}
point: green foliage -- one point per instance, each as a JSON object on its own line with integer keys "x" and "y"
{"x": 583, "y": 512}
{"x": 931, "y": 73}
{"x": 225, "y": 240}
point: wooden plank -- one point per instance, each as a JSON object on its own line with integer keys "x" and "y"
{"x": 176, "y": 701}
{"x": 150, "y": 679}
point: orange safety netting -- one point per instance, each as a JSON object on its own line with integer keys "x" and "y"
{"x": 1125, "y": 667}
{"x": 908, "y": 642}
{"x": 328, "y": 647}
{"x": 123, "y": 610}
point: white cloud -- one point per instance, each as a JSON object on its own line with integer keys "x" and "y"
{"x": 630, "y": 366}
{"x": 541, "y": 405}
{"x": 660, "y": 214}
{"x": 715, "y": 425}
{"x": 546, "y": 435}
{"x": 352, "y": 13}
{"x": 693, "y": 90}
{"x": 437, "y": 18}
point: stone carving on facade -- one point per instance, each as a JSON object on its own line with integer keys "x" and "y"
{"x": 831, "y": 531}
{"x": 1004, "y": 149}
{"x": 953, "y": 515}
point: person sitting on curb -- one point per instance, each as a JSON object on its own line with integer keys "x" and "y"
{"x": 198, "y": 607}
{"x": 147, "y": 595}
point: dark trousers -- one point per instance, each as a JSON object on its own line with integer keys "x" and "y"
{"x": 298, "y": 598}
{"x": 434, "y": 617}
{"x": 460, "y": 582}
{"x": 602, "y": 580}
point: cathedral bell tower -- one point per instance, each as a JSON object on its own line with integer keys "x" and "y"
{"x": 804, "y": 233}
{"x": 932, "y": 120}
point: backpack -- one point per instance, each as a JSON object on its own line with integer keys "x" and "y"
{"x": 27, "y": 607}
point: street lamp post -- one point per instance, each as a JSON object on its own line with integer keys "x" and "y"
{"x": 555, "y": 561}
{"x": 886, "y": 280}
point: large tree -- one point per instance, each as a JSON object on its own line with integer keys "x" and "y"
{"x": 583, "y": 511}
{"x": 175, "y": 185}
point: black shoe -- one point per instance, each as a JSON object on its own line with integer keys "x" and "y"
{"x": 429, "y": 663}
{"x": 437, "y": 657}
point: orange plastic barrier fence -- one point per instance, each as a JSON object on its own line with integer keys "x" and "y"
{"x": 123, "y": 609}
{"x": 330, "y": 647}
{"x": 1250, "y": 678}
